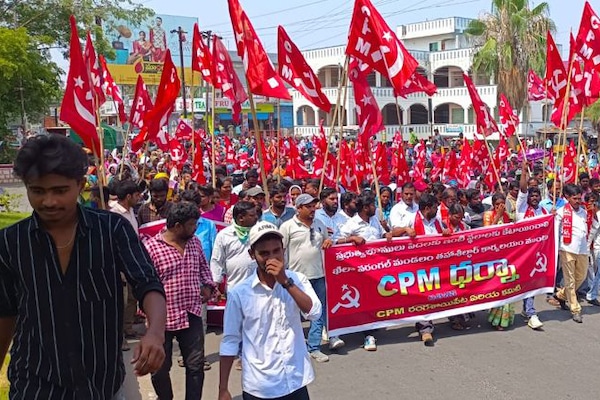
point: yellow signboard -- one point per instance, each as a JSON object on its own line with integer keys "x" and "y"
{"x": 126, "y": 74}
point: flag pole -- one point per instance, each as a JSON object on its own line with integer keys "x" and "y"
{"x": 342, "y": 115}
{"x": 278, "y": 148}
{"x": 213, "y": 139}
{"x": 563, "y": 123}
{"x": 492, "y": 162}
{"x": 258, "y": 139}
{"x": 193, "y": 146}
{"x": 545, "y": 119}
{"x": 344, "y": 75}
{"x": 377, "y": 188}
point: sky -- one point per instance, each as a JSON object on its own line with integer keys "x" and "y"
{"x": 322, "y": 23}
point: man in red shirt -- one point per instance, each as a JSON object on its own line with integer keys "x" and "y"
{"x": 182, "y": 268}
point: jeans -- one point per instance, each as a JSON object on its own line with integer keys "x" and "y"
{"x": 191, "y": 343}
{"x": 316, "y": 327}
{"x": 529, "y": 307}
{"x": 594, "y": 283}
{"x": 300, "y": 394}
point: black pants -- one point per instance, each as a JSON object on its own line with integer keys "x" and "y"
{"x": 300, "y": 394}
{"x": 191, "y": 343}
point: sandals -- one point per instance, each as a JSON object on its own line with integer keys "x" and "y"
{"x": 459, "y": 326}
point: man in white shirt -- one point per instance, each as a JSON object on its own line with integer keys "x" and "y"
{"x": 573, "y": 250}
{"x": 361, "y": 228}
{"x": 275, "y": 363}
{"x": 250, "y": 182}
{"x": 230, "y": 258}
{"x": 404, "y": 212}
{"x": 329, "y": 213}
{"x": 528, "y": 206}
{"x": 304, "y": 239}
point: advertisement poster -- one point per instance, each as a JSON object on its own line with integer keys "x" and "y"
{"x": 382, "y": 284}
{"x": 141, "y": 49}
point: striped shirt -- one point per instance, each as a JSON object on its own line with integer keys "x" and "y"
{"x": 67, "y": 343}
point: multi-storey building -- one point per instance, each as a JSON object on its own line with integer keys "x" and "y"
{"x": 444, "y": 53}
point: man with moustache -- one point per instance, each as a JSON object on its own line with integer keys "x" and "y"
{"x": 159, "y": 207}
{"x": 404, "y": 212}
{"x": 475, "y": 209}
{"x": 329, "y": 213}
{"x": 273, "y": 293}
{"x": 278, "y": 213}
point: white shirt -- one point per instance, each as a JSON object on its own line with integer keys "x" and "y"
{"x": 128, "y": 214}
{"x": 578, "y": 243}
{"x": 266, "y": 323}
{"x": 230, "y": 258}
{"x": 401, "y": 215}
{"x": 303, "y": 249}
{"x": 594, "y": 233}
{"x": 428, "y": 225}
{"x": 333, "y": 224}
{"x": 522, "y": 207}
{"x": 369, "y": 231}
{"x": 238, "y": 188}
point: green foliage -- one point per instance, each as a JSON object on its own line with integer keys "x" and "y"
{"x": 510, "y": 40}
{"x": 9, "y": 202}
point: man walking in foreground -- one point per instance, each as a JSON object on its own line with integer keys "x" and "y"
{"x": 275, "y": 363}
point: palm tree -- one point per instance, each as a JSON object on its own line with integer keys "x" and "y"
{"x": 509, "y": 41}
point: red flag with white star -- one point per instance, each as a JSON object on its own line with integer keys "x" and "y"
{"x": 93, "y": 66}
{"x": 112, "y": 90}
{"x": 369, "y": 118}
{"x": 508, "y": 117}
{"x": 77, "y": 107}
{"x": 371, "y": 40}
{"x": 201, "y": 59}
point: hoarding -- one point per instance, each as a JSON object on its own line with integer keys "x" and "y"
{"x": 141, "y": 49}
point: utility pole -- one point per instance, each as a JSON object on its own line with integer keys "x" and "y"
{"x": 181, "y": 34}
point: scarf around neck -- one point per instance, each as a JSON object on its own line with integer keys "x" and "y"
{"x": 241, "y": 232}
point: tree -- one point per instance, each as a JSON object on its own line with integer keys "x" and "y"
{"x": 31, "y": 81}
{"x": 509, "y": 41}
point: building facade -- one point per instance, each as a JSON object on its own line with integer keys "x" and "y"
{"x": 444, "y": 53}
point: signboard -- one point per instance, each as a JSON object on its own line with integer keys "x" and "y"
{"x": 382, "y": 283}
{"x": 141, "y": 49}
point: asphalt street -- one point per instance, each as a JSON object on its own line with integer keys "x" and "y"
{"x": 560, "y": 361}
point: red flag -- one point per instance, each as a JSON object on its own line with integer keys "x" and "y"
{"x": 556, "y": 76}
{"x": 436, "y": 171}
{"x": 177, "y": 152}
{"x": 141, "y": 104}
{"x": 157, "y": 118}
{"x": 535, "y": 87}
{"x": 201, "y": 61}
{"x": 369, "y": 118}
{"x": 198, "y": 165}
{"x": 371, "y": 40}
{"x": 417, "y": 83}
{"x": 296, "y": 168}
{"x": 420, "y": 161}
{"x": 229, "y": 152}
{"x": 77, "y": 107}
{"x": 450, "y": 170}
{"x": 294, "y": 69}
{"x": 502, "y": 151}
{"x": 348, "y": 178}
{"x": 95, "y": 73}
{"x": 585, "y": 83}
{"x": 112, "y": 90}
{"x": 570, "y": 164}
{"x": 481, "y": 159}
{"x": 399, "y": 161}
{"x": 588, "y": 38}
{"x": 508, "y": 117}
{"x": 226, "y": 79}
{"x": 464, "y": 165}
{"x": 260, "y": 73}
{"x": 486, "y": 125}
{"x": 381, "y": 164}
{"x": 183, "y": 131}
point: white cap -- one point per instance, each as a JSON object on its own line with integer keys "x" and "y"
{"x": 261, "y": 229}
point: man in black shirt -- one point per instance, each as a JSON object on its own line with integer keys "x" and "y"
{"x": 61, "y": 295}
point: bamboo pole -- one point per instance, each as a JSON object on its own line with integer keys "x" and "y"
{"x": 213, "y": 139}
{"x": 492, "y": 164}
{"x": 563, "y": 122}
{"x": 258, "y": 139}
{"x": 545, "y": 119}
{"x": 344, "y": 75}
{"x": 342, "y": 114}
{"x": 278, "y": 148}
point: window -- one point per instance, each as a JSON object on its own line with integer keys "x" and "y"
{"x": 434, "y": 46}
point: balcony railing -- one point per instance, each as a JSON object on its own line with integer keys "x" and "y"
{"x": 421, "y": 130}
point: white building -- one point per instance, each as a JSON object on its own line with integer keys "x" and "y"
{"x": 444, "y": 52}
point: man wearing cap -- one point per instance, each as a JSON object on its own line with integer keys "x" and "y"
{"x": 304, "y": 239}
{"x": 275, "y": 363}
{"x": 257, "y": 196}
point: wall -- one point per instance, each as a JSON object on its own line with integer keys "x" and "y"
{"x": 6, "y": 174}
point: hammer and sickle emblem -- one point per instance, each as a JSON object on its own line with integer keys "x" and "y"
{"x": 541, "y": 264}
{"x": 349, "y": 299}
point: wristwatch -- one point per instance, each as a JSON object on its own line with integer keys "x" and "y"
{"x": 288, "y": 283}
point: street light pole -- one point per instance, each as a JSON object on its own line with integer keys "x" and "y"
{"x": 181, "y": 32}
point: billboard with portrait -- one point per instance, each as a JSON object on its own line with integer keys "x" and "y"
{"x": 141, "y": 48}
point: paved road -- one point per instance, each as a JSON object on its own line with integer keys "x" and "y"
{"x": 558, "y": 362}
